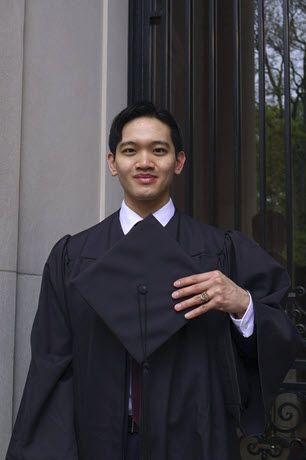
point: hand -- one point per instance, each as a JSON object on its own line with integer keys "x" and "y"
{"x": 222, "y": 294}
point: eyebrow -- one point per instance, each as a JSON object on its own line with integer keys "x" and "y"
{"x": 124, "y": 144}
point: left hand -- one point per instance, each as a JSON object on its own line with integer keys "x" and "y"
{"x": 223, "y": 294}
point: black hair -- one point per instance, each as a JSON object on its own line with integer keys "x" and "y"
{"x": 144, "y": 109}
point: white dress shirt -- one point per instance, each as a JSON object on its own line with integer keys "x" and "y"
{"x": 128, "y": 218}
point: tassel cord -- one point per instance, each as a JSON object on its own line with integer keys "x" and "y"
{"x": 144, "y": 419}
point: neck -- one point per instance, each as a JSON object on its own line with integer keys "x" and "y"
{"x": 145, "y": 208}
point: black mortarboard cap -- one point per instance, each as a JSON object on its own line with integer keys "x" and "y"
{"x": 130, "y": 287}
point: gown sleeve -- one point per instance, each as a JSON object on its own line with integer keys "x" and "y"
{"x": 44, "y": 427}
{"x": 264, "y": 358}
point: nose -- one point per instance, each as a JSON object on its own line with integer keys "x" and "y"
{"x": 144, "y": 160}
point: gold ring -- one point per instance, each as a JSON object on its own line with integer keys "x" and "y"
{"x": 204, "y": 297}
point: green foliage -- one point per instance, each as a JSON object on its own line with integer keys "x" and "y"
{"x": 300, "y": 249}
{"x": 275, "y": 137}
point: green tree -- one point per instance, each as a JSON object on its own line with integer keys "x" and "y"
{"x": 274, "y": 86}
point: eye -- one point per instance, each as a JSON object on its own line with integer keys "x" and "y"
{"x": 160, "y": 150}
{"x": 128, "y": 151}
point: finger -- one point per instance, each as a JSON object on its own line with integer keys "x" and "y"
{"x": 194, "y": 279}
{"x": 193, "y": 289}
{"x": 200, "y": 310}
{"x": 190, "y": 290}
{"x": 192, "y": 301}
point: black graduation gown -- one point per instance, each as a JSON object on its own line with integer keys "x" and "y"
{"x": 202, "y": 381}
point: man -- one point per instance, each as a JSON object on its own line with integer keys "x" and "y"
{"x": 151, "y": 308}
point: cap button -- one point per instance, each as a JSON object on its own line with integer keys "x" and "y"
{"x": 142, "y": 289}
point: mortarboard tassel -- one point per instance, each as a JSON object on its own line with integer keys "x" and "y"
{"x": 145, "y": 454}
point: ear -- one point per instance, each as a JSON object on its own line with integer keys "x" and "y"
{"x": 112, "y": 164}
{"x": 179, "y": 162}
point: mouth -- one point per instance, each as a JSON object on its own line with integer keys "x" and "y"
{"x": 145, "y": 178}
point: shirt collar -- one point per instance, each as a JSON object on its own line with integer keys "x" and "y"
{"x": 128, "y": 218}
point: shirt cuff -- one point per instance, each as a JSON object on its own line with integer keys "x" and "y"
{"x": 245, "y": 325}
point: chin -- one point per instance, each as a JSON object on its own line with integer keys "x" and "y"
{"x": 146, "y": 198}
{"x": 149, "y": 197}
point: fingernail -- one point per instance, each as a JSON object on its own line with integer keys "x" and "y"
{"x": 177, "y": 283}
{"x": 177, "y": 306}
{"x": 188, "y": 315}
{"x": 174, "y": 294}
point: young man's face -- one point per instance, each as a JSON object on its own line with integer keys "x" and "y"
{"x": 145, "y": 163}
